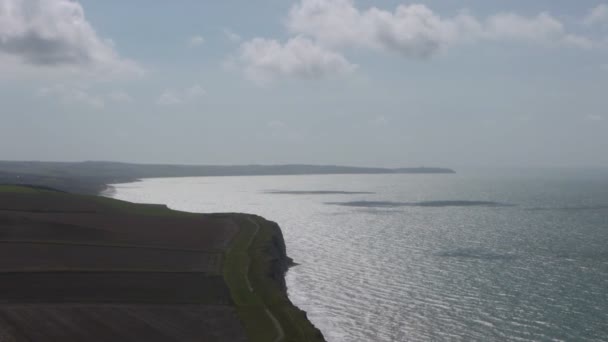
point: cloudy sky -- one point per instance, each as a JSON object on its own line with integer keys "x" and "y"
{"x": 384, "y": 83}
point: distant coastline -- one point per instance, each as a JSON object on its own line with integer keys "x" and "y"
{"x": 93, "y": 177}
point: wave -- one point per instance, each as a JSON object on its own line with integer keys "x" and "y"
{"x": 319, "y": 192}
{"x": 389, "y": 204}
{"x": 580, "y": 208}
{"x": 475, "y": 253}
{"x": 593, "y": 256}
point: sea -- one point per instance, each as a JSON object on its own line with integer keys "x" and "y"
{"x": 480, "y": 255}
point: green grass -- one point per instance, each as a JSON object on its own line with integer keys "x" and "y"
{"x": 18, "y": 189}
{"x": 250, "y": 306}
{"x": 110, "y": 203}
{"x": 251, "y": 260}
{"x": 137, "y": 208}
{"x": 295, "y": 324}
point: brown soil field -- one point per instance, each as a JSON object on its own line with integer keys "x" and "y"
{"x": 113, "y": 287}
{"x": 188, "y": 232}
{"x": 84, "y": 268}
{"x": 105, "y": 323}
{"x": 33, "y": 257}
{"x": 48, "y": 201}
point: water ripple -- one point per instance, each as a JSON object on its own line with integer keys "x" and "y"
{"x": 374, "y": 271}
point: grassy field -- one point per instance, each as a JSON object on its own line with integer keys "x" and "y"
{"x": 18, "y": 189}
{"x": 261, "y": 302}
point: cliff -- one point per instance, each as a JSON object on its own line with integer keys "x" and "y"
{"x": 277, "y": 252}
{"x": 265, "y": 308}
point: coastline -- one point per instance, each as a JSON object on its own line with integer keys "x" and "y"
{"x": 254, "y": 269}
{"x": 268, "y": 258}
{"x": 123, "y": 266}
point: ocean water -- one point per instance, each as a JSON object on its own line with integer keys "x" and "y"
{"x": 490, "y": 255}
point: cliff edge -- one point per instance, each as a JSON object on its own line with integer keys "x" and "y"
{"x": 255, "y": 268}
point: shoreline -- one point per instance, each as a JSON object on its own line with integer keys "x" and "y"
{"x": 92, "y": 176}
{"x": 266, "y": 265}
{"x": 259, "y": 289}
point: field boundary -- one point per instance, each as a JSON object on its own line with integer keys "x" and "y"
{"x": 251, "y": 309}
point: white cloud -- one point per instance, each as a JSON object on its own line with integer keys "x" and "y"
{"x": 73, "y": 95}
{"x": 380, "y": 120}
{"x": 232, "y": 36}
{"x": 194, "y": 92}
{"x": 175, "y": 97}
{"x": 597, "y": 16}
{"x": 120, "y": 97}
{"x": 55, "y": 33}
{"x": 264, "y": 60}
{"x": 169, "y": 97}
{"x": 542, "y": 28}
{"x": 320, "y": 28}
{"x": 276, "y": 125}
{"x": 196, "y": 41}
{"x": 80, "y": 94}
{"x": 415, "y": 31}
{"x": 577, "y": 41}
{"x": 506, "y": 26}
{"x": 594, "y": 117}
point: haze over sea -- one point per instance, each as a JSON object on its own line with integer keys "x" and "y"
{"x": 515, "y": 255}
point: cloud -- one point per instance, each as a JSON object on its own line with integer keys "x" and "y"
{"x": 322, "y": 29}
{"x": 194, "y": 92}
{"x": 594, "y": 117}
{"x": 276, "y": 125}
{"x": 232, "y": 36}
{"x": 415, "y": 31}
{"x": 542, "y": 28}
{"x": 511, "y": 26}
{"x": 175, "y": 97}
{"x": 264, "y": 60}
{"x": 79, "y": 94}
{"x": 380, "y": 120}
{"x": 169, "y": 97}
{"x": 577, "y": 41}
{"x": 597, "y": 16}
{"x": 73, "y": 95}
{"x": 55, "y": 33}
{"x": 120, "y": 97}
{"x": 196, "y": 41}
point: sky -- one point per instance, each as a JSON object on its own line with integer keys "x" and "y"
{"x": 364, "y": 83}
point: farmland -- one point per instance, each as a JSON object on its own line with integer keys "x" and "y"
{"x": 117, "y": 322}
{"x": 87, "y": 268}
